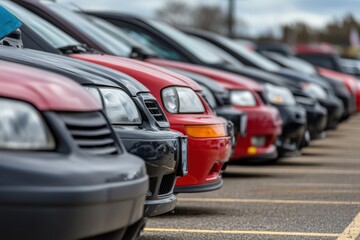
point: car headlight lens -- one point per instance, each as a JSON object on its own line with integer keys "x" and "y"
{"x": 209, "y": 96}
{"x": 181, "y": 100}
{"x": 119, "y": 107}
{"x": 23, "y": 128}
{"x": 279, "y": 95}
{"x": 314, "y": 90}
{"x": 358, "y": 85}
{"x": 242, "y": 98}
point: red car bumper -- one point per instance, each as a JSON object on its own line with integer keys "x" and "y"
{"x": 206, "y": 157}
{"x": 262, "y": 122}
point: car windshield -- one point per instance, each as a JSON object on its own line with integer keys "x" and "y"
{"x": 185, "y": 41}
{"x": 49, "y": 32}
{"x": 97, "y": 34}
{"x": 293, "y": 63}
{"x": 225, "y": 57}
{"x": 249, "y": 55}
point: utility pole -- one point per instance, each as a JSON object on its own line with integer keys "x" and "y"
{"x": 231, "y": 20}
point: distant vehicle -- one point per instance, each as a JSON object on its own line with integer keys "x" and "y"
{"x": 340, "y": 89}
{"x": 324, "y": 58}
{"x": 57, "y": 179}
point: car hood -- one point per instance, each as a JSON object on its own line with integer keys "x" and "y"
{"x": 227, "y": 80}
{"x": 145, "y": 72}
{"x": 45, "y": 90}
{"x": 201, "y": 79}
{"x": 80, "y": 71}
{"x": 302, "y": 78}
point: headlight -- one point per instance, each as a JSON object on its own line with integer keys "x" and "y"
{"x": 242, "y": 98}
{"x": 314, "y": 90}
{"x": 358, "y": 85}
{"x": 22, "y": 127}
{"x": 119, "y": 107}
{"x": 279, "y": 95}
{"x": 209, "y": 96}
{"x": 181, "y": 100}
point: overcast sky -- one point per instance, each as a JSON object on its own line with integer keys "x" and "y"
{"x": 260, "y": 15}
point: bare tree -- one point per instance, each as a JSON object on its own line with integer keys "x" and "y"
{"x": 175, "y": 13}
{"x": 208, "y": 17}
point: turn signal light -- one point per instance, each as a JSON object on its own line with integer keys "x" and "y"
{"x": 206, "y": 131}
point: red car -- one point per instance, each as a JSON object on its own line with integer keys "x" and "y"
{"x": 264, "y": 122}
{"x": 350, "y": 82}
{"x": 56, "y": 184}
{"x": 208, "y": 140}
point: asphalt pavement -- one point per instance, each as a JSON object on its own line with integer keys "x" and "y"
{"x": 313, "y": 196}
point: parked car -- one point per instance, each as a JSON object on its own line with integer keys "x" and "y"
{"x": 48, "y": 168}
{"x": 209, "y": 139}
{"x": 350, "y": 82}
{"x": 264, "y": 122}
{"x": 339, "y": 87}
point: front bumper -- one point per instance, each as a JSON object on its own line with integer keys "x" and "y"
{"x": 261, "y": 121}
{"x": 349, "y": 103}
{"x": 161, "y": 151}
{"x": 206, "y": 158}
{"x": 66, "y": 196}
{"x": 335, "y": 110}
{"x": 294, "y": 127}
{"x": 316, "y": 120}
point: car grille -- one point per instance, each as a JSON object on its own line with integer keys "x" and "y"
{"x": 155, "y": 110}
{"x": 91, "y": 132}
{"x": 167, "y": 184}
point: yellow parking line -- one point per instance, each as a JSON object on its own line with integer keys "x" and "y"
{"x": 240, "y": 232}
{"x": 292, "y": 171}
{"x": 279, "y": 201}
{"x": 352, "y": 231}
{"x": 315, "y": 184}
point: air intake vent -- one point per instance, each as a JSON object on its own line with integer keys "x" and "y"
{"x": 155, "y": 110}
{"x": 91, "y": 132}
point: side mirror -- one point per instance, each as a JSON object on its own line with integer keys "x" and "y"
{"x": 140, "y": 53}
{"x": 8, "y": 23}
{"x": 13, "y": 39}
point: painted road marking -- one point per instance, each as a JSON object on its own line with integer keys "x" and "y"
{"x": 303, "y": 171}
{"x": 235, "y": 232}
{"x": 352, "y": 231}
{"x": 315, "y": 184}
{"x": 280, "y": 201}
{"x": 311, "y": 191}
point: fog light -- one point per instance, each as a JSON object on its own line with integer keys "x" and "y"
{"x": 206, "y": 131}
{"x": 252, "y": 150}
{"x": 258, "y": 141}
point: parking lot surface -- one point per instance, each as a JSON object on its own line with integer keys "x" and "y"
{"x": 313, "y": 196}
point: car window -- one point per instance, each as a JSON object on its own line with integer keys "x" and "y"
{"x": 249, "y": 55}
{"x": 225, "y": 57}
{"x": 320, "y": 60}
{"x": 111, "y": 43}
{"x": 293, "y": 63}
{"x": 49, "y": 32}
{"x": 186, "y": 42}
{"x": 146, "y": 39}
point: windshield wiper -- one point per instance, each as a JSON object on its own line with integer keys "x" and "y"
{"x": 77, "y": 48}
